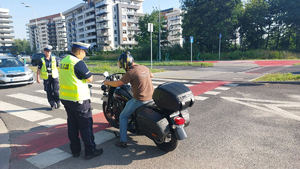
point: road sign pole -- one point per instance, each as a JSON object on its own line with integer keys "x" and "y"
{"x": 150, "y": 29}
{"x": 220, "y": 46}
{"x": 191, "y": 51}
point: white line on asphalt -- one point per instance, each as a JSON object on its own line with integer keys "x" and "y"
{"x": 222, "y": 88}
{"x": 48, "y": 158}
{"x": 53, "y": 122}
{"x": 103, "y": 136}
{"x": 211, "y": 93}
{"x": 201, "y": 98}
{"x": 22, "y": 112}
{"x": 272, "y": 106}
{"x": 170, "y": 80}
{"x": 43, "y": 101}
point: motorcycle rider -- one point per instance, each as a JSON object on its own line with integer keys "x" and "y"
{"x": 139, "y": 77}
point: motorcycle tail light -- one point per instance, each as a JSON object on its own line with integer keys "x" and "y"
{"x": 179, "y": 121}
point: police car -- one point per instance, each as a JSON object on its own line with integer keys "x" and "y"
{"x": 14, "y": 72}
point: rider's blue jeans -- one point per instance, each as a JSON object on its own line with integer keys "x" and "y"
{"x": 130, "y": 107}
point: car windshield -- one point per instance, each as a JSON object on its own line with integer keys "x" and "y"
{"x": 10, "y": 62}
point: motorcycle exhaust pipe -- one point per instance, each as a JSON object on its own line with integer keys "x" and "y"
{"x": 180, "y": 132}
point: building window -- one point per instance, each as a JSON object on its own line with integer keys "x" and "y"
{"x": 115, "y": 16}
{"x": 115, "y": 31}
{"x": 115, "y": 24}
{"x": 124, "y": 39}
{"x": 123, "y": 24}
{"x": 123, "y": 16}
{"x": 116, "y": 39}
{"x": 114, "y": 8}
{"x": 124, "y": 32}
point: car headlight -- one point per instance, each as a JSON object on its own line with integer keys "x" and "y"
{"x": 2, "y": 75}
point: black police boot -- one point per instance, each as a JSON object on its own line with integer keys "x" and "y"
{"x": 58, "y": 105}
{"x": 96, "y": 153}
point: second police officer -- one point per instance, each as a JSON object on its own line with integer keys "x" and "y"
{"x": 47, "y": 69}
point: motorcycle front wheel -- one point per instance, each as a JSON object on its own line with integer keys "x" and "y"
{"x": 168, "y": 143}
{"x": 111, "y": 114}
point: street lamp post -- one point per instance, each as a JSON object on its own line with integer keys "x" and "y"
{"x": 38, "y": 31}
{"x": 159, "y": 53}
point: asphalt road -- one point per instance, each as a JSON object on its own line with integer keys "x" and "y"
{"x": 237, "y": 125}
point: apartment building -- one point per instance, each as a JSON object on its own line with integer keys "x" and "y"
{"x": 117, "y": 23}
{"x": 81, "y": 24}
{"x": 44, "y": 31}
{"x": 174, "y": 22}
{"x": 6, "y": 37}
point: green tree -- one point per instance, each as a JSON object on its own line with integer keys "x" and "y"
{"x": 253, "y": 23}
{"x": 143, "y": 37}
{"x": 21, "y": 46}
{"x": 206, "y": 19}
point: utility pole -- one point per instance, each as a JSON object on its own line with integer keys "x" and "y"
{"x": 150, "y": 29}
{"x": 220, "y": 46}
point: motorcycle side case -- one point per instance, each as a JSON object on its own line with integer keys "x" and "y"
{"x": 123, "y": 93}
{"x": 173, "y": 96}
{"x": 152, "y": 124}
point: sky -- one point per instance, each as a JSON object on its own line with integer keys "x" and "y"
{"x": 21, "y": 15}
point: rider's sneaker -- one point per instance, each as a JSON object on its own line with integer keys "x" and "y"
{"x": 121, "y": 144}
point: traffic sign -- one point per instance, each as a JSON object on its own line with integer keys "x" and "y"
{"x": 220, "y": 35}
{"x": 192, "y": 39}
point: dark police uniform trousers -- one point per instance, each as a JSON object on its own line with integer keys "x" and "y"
{"x": 80, "y": 120}
{"x": 52, "y": 88}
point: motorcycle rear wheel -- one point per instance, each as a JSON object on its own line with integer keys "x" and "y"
{"x": 110, "y": 115}
{"x": 168, "y": 143}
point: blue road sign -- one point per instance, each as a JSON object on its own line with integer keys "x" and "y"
{"x": 192, "y": 39}
{"x": 220, "y": 35}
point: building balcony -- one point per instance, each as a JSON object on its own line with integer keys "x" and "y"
{"x": 103, "y": 34}
{"x": 7, "y": 41}
{"x": 130, "y": 13}
{"x": 132, "y": 21}
{"x": 101, "y": 12}
{"x": 89, "y": 17}
{"x": 106, "y": 42}
{"x": 175, "y": 29}
{"x": 5, "y": 16}
{"x": 101, "y": 4}
{"x": 133, "y": 28}
{"x": 103, "y": 27}
{"x": 174, "y": 18}
{"x": 130, "y": 43}
{"x": 7, "y": 36}
{"x": 139, "y": 14}
{"x": 176, "y": 23}
{"x": 105, "y": 19}
{"x": 6, "y": 31}
{"x": 6, "y": 26}
{"x": 5, "y": 21}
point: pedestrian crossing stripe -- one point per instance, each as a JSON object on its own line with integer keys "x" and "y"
{"x": 22, "y": 112}
{"x": 53, "y": 122}
{"x": 41, "y": 100}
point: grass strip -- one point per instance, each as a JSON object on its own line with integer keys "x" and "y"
{"x": 279, "y": 77}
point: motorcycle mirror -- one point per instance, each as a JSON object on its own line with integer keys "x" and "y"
{"x": 105, "y": 74}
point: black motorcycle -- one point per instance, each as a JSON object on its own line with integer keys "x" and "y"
{"x": 162, "y": 120}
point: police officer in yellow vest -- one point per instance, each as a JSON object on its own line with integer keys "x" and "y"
{"x": 47, "y": 69}
{"x": 75, "y": 96}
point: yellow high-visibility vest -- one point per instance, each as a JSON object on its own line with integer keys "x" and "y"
{"x": 54, "y": 72}
{"x": 70, "y": 87}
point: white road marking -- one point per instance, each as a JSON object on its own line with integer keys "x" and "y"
{"x": 211, "y": 93}
{"x": 22, "y": 112}
{"x": 53, "y": 122}
{"x": 170, "y": 80}
{"x": 48, "y": 158}
{"x": 268, "y": 106}
{"x": 201, "y": 98}
{"x": 33, "y": 99}
{"x": 103, "y": 136}
{"x": 231, "y": 84}
{"x": 222, "y": 88}
{"x": 93, "y": 99}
